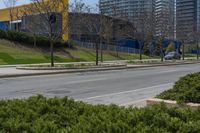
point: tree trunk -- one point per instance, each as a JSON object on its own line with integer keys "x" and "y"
{"x": 183, "y": 52}
{"x": 161, "y": 52}
{"x": 35, "y": 41}
{"x": 117, "y": 53}
{"x": 10, "y": 24}
{"x": 52, "y": 53}
{"x": 97, "y": 54}
{"x": 197, "y": 50}
{"x": 51, "y": 45}
{"x": 101, "y": 50}
{"x": 140, "y": 51}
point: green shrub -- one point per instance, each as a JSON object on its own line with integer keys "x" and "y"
{"x": 187, "y": 89}
{"x": 3, "y": 34}
{"x": 28, "y": 39}
{"x": 39, "y": 114}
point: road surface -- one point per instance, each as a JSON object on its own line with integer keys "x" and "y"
{"x": 122, "y": 87}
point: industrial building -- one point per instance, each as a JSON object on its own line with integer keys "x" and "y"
{"x": 14, "y": 18}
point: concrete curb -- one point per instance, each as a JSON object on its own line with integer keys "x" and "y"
{"x": 170, "y": 103}
{"x": 165, "y": 64}
{"x": 59, "y": 72}
{"x": 69, "y": 69}
{"x": 94, "y": 69}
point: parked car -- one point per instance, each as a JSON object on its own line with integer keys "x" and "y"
{"x": 172, "y": 55}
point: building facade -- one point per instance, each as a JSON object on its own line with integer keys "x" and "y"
{"x": 165, "y": 18}
{"x": 161, "y": 13}
{"x": 132, "y": 9}
{"x": 187, "y": 19}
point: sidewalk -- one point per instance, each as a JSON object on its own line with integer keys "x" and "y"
{"x": 11, "y": 71}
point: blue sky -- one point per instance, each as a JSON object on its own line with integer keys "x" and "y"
{"x": 20, "y": 2}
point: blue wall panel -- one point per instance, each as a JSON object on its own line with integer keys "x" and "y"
{"x": 4, "y": 25}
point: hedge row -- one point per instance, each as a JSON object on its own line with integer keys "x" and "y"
{"x": 187, "y": 89}
{"x": 60, "y": 115}
{"x": 28, "y": 39}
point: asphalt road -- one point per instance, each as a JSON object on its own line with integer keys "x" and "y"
{"x": 122, "y": 87}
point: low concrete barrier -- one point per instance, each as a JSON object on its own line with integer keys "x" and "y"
{"x": 170, "y": 103}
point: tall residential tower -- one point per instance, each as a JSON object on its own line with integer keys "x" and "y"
{"x": 129, "y": 8}
{"x": 165, "y": 18}
{"x": 161, "y": 12}
{"x": 187, "y": 18}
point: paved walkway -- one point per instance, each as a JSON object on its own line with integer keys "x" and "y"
{"x": 12, "y": 71}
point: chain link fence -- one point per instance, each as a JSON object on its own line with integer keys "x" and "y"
{"x": 107, "y": 47}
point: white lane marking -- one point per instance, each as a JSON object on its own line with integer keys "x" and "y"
{"x": 124, "y": 92}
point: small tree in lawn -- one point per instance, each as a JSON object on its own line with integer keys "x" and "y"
{"x": 77, "y": 8}
{"x": 93, "y": 28}
{"x": 141, "y": 30}
{"x": 194, "y": 38}
{"x": 186, "y": 37}
{"x": 88, "y": 22}
{"x": 106, "y": 33}
{"x": 51, "y": 15}
{"x": 144, "y": 30}
{"x": 10, "y": 4}
{"x": 32, "y": 24}
{"x": 164, "y": 31}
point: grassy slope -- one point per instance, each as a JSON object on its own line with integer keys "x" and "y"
{"x": 11, "y": 53}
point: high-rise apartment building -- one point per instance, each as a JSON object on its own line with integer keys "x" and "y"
{"x": 161, "y": 13}
{"x": 165, "y": 18}
{"x": 187, "y": 18}
{"x": 132, "y": 9}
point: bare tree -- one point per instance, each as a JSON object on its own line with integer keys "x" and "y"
{"x": 76, "y": 10}
{"x": 193, "y": 37}
{"x": 140, "y": 29}
{"x": 10, "y": 4}
{"x": 144, "y": 30}
{"x": 164, "y": 30}
{"x": 32, "y": 23}
{"x": 190, "y": 35}
{"x": 51, "y": 16}
{"x": 106, "y": 34}
{"x": 86, "y": 23}
{"x": 93, "y": 30}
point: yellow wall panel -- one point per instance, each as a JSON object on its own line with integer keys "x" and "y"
{"x": 17, "y": 13}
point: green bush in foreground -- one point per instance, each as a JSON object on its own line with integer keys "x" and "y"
{"x": 59, "y": 115}
{"x": 187, "y": 89}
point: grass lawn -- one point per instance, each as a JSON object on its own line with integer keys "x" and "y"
{"x": 11, "y": 53}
